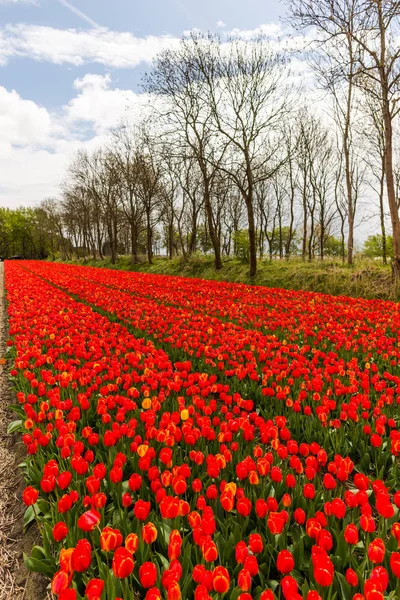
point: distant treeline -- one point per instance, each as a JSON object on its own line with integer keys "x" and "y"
{"x": 38, "y": 233}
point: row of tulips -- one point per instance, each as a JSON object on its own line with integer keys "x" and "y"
{"x": 341, "y": 320}
{"x": 339, "y": 385}
{"x": 150, "y": 478}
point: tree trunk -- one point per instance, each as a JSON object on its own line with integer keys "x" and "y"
{"x": 321, "y": 244}
{"x": 310, "y": 239}
{"x": 214, "y": 238}
{"x": 280, "y": 243}
{"x": 388, "y": 150}
{"x": 391, "y": 192}
{"x": 394, "y": 213}
{"x": 193, "y": 235}
{"x": 99, "y": 241}
{"x": 342, "y": 240}
{"x": 350, "y": 239}
{"x": 170, "y": 240}
{"x": 134, "y": 243}
{"x": 149, "y": 238}
{"x": 347, "y": 159}
{"x": 291, "y": 223}
{"x": 181, "y": 240}
{"x": 382, "y": 213}
{"x": 252, "y": 236}
{"x": 304, "y": 244}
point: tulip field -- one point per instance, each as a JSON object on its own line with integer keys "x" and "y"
{"x": 201, "y": 440}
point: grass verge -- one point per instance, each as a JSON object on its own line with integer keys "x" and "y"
{"x": 365, "y": 279}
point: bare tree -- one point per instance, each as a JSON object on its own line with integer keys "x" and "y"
{"x": 126, "y": 149}
{"x": 245, "y": 87}
{"x": 374, "y": 28}
{"x": 193, "y": 198}
{"x": 333, "y": 58}
{"x": 373, "y": 132}
{"x": 186, "y": 119}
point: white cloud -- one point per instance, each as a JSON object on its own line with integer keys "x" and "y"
{"x": 272, "y": 30}
{"x": 101, "y": 106}
{"x": 221, "y": 24}
{"x": 28, "y": 175}
{"x": 77, "y": 47}
{"x": 110, "y": 48}
{"x": 36, "y": 144}
{"x": 39, "y": 143}
{"x": 22, "y": 122}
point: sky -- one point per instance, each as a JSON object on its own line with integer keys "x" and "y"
{"x": 71, "y": 70}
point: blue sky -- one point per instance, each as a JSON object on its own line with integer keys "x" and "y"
{"x": 70, "y": 70}
{"x": 51, "y": 85}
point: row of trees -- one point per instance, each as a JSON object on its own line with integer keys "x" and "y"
{"x": 139, "y": 193}
{"x": 39, "y": 233}
{"x": 234, "y": 156}
{"x": 26, "y": 232}
{"x": 356, "y": 49}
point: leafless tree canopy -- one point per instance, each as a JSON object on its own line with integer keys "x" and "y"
{"x": 236, "y": 160}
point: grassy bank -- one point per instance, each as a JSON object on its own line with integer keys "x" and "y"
{"x": 367, "y": 279}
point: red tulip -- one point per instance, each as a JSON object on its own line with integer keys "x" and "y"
{"x": 241, "y": 552}
{"x": 255, "y": 543}
{"x": 395, "y": 564}
{"x": 69, "y": 594}
{"x": 376, "y": 551}
{"x": 89, "y": 520}
{"x": 122, "y": 564}
{"x": 82, "y": 556}
{"x": 380, "y": 575}
{"x": 351, "y": 534}
{"x": 110, "y": 539}
{"x": 289, "y": 587}
{"x": 148, "y": 574}
{"x": 174, "y": 591}
{"x": 351, "y": 577}
{"x": 285, "y": 562}
{"x": 209, "y": 550}
{"x": 153, "y": 594}
{"x": 244, "y": 580}
{"x": 94, "y": 589}
{"x": 267, "y": 595}
{"x": 131, "y": 542}
{"x": 30, "y": 495}
{"x": 60, "y": 582}
{"x": 60, "y": 531}
{"x": 149, "y": 533}
{"x": 221, "y": 580}
{"x": 141, "y": 510}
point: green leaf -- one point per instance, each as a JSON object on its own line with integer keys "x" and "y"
{"x": 227, "y": 551}
{"x": 273, "y": 584}
{"x": 43, "y": 506}
{"x": 345, "y": 588}
{"x": 163, "y": 560}
{"x": 234, "y": 594}
{"x": 38, "y": 553}
{"x": 298, "y": 554}
{"x": 39, "y": 566}
{"x": 29, "y": 516}
{"x": 341, "y": 547}
{"x": 14, "y": 426}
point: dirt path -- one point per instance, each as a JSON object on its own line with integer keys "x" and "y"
{"x": 16, "y": 583}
